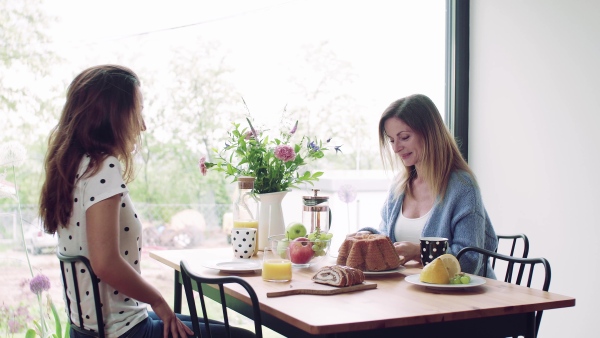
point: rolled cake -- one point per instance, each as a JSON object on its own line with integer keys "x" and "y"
{"x": 338, "y": 275}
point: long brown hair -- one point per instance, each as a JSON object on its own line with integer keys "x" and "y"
{"x": 101, "y": 117}
{"x": 441, "y": 155}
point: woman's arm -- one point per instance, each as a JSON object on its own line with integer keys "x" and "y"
{"x": 102, "y": 221}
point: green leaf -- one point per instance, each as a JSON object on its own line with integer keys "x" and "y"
{"x": 68, "y": 329}
{"x": 56, "y": 320}
{"x": 30, "y": 333}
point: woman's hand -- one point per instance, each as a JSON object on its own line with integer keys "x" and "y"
{"x": 409, "y": 250}
{"x": 364, "y": 232}
{"x": 172, "y": 326}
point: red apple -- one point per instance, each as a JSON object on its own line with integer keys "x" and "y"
{"x": 301, "y": 250}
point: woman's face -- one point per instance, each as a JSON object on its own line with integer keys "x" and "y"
{"x": 404, "y": 141}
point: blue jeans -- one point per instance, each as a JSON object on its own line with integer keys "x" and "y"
{"x": 152, "y": 327}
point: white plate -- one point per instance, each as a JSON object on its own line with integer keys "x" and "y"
{"x": 475, "y": 281}
{"x": 386, "y": 272}
{"x": 236, "y": 265}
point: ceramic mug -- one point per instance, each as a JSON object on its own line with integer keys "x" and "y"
{"x": 243, "y": 241}
{"x": 432, "y": 247}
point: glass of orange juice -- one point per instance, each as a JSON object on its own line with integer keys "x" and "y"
{"x": 275, "y": 268}
{"x": 245, "y": 223}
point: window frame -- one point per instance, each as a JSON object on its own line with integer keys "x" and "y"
{"x": 457, "y": 72}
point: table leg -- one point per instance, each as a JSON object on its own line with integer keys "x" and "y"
{"x": 177, "y": 296}
{"x": 531, "y": 325}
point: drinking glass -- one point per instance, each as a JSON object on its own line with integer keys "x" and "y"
{"x": 275, "y": 268}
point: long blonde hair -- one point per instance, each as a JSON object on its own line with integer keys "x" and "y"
{"x": 441, "y": 155}
{"x": 101, "y": 117}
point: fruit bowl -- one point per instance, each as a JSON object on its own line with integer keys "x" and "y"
{"x": 302, "y": 252}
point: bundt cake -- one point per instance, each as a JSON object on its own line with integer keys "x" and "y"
{"x": 369, "y": 252}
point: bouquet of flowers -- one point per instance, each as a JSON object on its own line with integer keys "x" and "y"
{"x": 274, "y": 163}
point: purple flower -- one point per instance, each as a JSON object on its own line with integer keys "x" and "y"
{"x": 285, "y": 153}
{"x": 312, "y": 145}
{"x": 337, "y": 148}
{"x": 329, "y": 139}
{"x": 253, "y": 133}
{"x": 39, "y": 283}
{"x": 202, "y": 166}
{"x": 347, "y": 193}
{"x": 14, "y": 326}
{"x": 294, "y": 129}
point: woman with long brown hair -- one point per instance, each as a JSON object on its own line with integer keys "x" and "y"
{"x": 435, "y": 193}
{"x": 85, "y": 200}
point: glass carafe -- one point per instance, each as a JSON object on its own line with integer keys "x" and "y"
{"x": 245, "y": 207}
{"x": 315, "y": 212}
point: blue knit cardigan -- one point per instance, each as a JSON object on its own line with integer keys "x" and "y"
{"x": 460, "y": 217}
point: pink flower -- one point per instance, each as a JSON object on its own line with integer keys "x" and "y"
{"x": 285, "y": 153}
{"x": 202, "y": 166}
{"x": 39, "y": 283}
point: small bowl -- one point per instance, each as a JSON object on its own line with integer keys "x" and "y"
{"x": 302, "y": 253}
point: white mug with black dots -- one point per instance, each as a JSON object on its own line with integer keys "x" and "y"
{"x": 243, "y": 241}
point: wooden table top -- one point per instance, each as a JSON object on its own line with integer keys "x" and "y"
{"x": 394, "y": 302}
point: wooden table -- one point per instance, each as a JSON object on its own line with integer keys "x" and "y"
{"x": 395, "y": 308}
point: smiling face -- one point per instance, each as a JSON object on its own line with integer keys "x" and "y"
{"x": 405, "y": 142}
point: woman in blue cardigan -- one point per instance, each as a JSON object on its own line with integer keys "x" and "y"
{"x": 435, "y": 193}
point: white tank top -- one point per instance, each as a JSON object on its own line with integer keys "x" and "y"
{"x": 410, "y": 229}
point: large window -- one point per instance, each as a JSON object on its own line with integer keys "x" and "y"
{"x": 334, "y": 65}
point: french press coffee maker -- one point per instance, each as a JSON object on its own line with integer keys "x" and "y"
{"x": 316, "y": 212}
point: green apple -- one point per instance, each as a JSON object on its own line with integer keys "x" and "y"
{"x": 295, "y": 230}
{"x": 282, "y": 247}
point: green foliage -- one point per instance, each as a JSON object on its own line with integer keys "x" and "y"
{"x": 274, "y": 163}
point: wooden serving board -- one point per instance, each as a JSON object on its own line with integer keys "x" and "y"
{"x": 312, "y": 288}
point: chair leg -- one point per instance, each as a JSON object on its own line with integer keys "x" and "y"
{"x": 177, "y": 296}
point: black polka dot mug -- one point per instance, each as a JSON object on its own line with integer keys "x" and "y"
{"x": 432, "y": 247}
{"x": 243, "y": 241}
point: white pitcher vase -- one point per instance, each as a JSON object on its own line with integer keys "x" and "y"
{"x": 270, "y": 217}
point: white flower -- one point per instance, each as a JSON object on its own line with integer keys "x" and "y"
{"x": 12, "y": 154}
{"x": 347, "y": 193}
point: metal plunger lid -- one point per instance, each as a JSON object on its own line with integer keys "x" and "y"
{"x": 314, "y": 200}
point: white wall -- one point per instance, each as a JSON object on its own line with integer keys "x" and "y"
{"x": 535, "y": 137}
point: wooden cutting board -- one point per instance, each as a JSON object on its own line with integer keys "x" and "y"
{"x": 312, "y": 288}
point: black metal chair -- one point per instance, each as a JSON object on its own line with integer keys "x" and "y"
{"x": 188, "y": 277}
{"x": 515, "y": 241}
{"x": 68, "y": 268}
{"x": 511, "y": 261}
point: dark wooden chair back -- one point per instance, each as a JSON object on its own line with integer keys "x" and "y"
{"x": 527, "y": 263}
{"x": 69, "y": 272}
{"x": 517, "y": 243}
{"x": 202, "y": 282}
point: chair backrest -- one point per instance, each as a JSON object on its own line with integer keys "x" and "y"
{"x": 530, "y": 263}
{"x": 187, "y": 278}
{"x": 515, "y": 241}
{"x": 68, "y": 269}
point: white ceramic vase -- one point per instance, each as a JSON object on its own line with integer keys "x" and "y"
{"x": 270, "y": 217}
